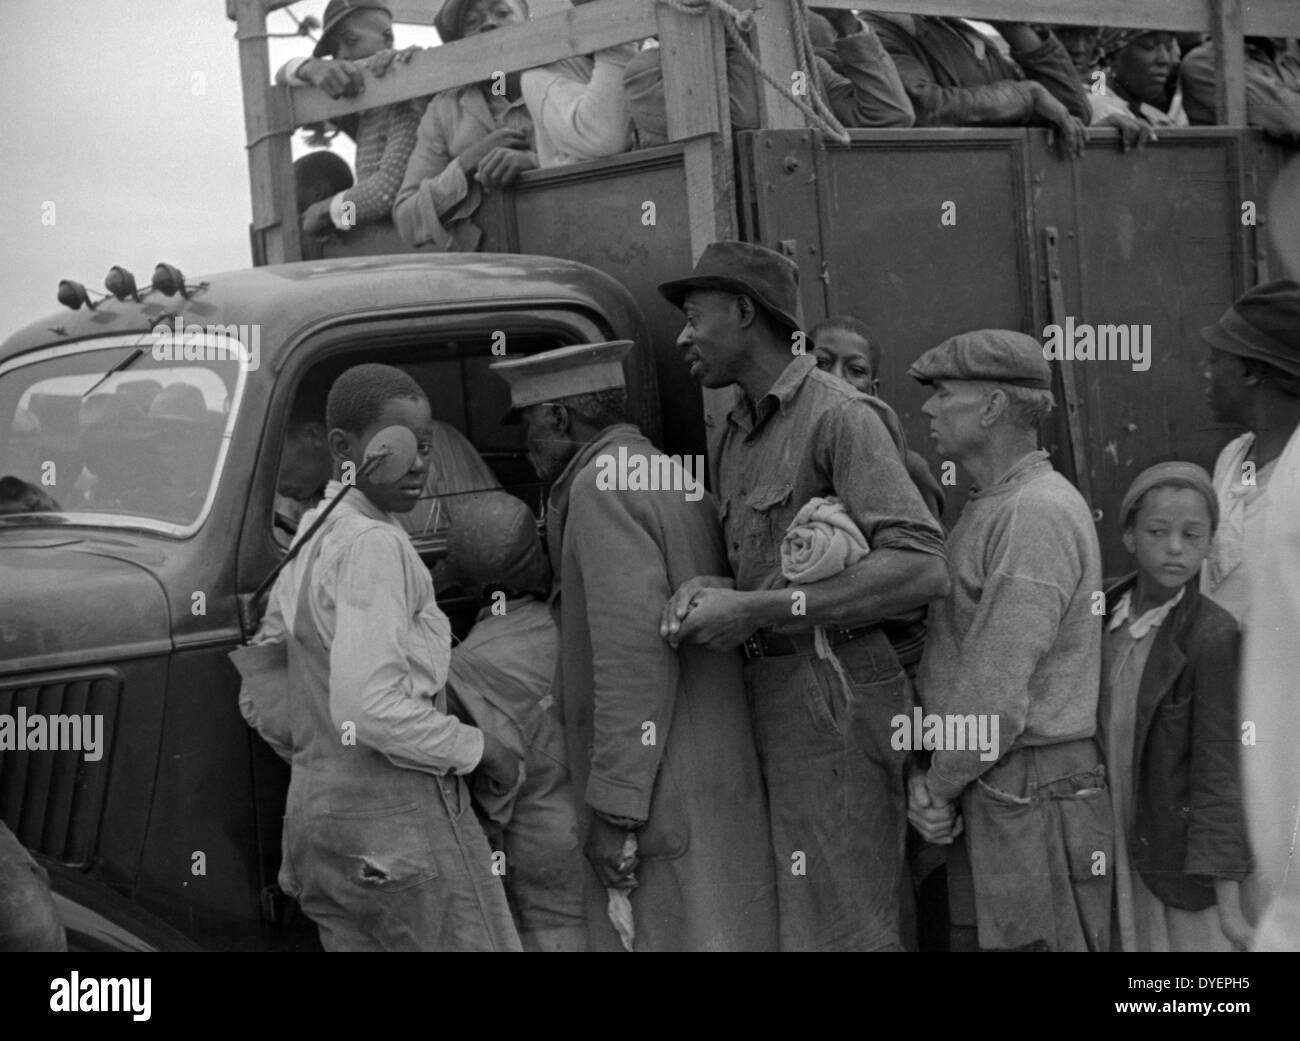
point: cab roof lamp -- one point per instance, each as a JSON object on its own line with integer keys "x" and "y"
{"x": 74, "y": 295}
{"x": 121, "y": 283}
{"x": 169, "y": 280}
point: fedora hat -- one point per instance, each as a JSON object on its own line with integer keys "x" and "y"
{"x": 765, "y": 276}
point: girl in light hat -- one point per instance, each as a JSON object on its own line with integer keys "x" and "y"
{"x": 1168, "y": 723}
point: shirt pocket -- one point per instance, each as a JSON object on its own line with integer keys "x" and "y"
{"x": 763, "y": 522}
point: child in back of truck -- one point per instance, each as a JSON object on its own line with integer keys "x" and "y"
{"x": 380, "y": 846}
{"x": 1168, "y": 722}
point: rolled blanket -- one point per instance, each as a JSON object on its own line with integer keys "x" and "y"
{"x": 821, "y": 541}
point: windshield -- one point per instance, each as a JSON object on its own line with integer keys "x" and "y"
{"x": 139, "y": 446}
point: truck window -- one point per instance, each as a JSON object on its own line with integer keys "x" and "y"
{"x": 474, "y": 449}
{"x": 104, "y": 433}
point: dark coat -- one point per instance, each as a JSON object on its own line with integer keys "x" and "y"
{"x": 1189, "y": 824}
{"x": 653, "y": 733}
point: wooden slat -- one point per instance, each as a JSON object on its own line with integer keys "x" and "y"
{"x": 1229, "y": 63}
{"x": 1259, "y": 17}
{"x": 413, "y": 12}
{"x": 774, "y": 46}
{"x": 541, "y": 40}
{"x": 270, "y": 156}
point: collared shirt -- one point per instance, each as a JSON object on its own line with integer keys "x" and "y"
{"x": 1149, "y": 619}
{"x": 389, "y": 644}
{"x": 813, "y": 435}
{"x": 1016, "y": 637}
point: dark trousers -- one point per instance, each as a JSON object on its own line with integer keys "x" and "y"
{"x": 835, "y": 792}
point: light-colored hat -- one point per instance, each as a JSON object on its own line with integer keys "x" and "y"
{"x": 997, "y": 355}
{"x": 564, "y": 372}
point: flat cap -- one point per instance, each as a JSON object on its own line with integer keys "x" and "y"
{"x": 1263, "y": 324}
{"x": 998, "y": 355}
{"x": 565, "y": 372}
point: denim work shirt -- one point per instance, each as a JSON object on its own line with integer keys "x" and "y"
{"x": 813, "y": 435}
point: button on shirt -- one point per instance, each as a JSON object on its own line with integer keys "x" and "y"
{"x": 813, "y": 435}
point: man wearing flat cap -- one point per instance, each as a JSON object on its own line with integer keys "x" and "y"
{"x": 1016, "y": 642}
{"x": 1253, "y": 571}
{"x": 835, "y": 784}
{"x": 659, "y": 741}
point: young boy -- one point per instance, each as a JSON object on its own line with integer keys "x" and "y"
{"x": 1168, "y": 722}
{"x": 501, "y": 673}
{"x": 380, "y": 847}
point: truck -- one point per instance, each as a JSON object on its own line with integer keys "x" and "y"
{"x": 156, "y": 419}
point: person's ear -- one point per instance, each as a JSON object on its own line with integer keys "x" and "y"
{"x": 1129, "y": 539}
{"x": 746, "y": 312}
{"x": 995, "y": 405}
{"x": 340, "y": 442}
{"x": 560, "y": 418}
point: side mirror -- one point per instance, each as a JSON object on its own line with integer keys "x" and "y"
{"x": 389, "y": 455}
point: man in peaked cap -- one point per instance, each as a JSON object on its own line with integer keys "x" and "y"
{"x": 1254, "y": 381}
{"x": 835, "y": 784}
{"x": 659, "y": 740}
{"x": 1015, "y": 642}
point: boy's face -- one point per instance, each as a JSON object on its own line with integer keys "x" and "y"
{"x": 844, "y": 354}
{"x": 364, "y": 34}
{"x": 484, "y": 15}
{"x": 1143, "y": 67}
{"x": 412, "y": 413}
{"x": 1170, "y": 535}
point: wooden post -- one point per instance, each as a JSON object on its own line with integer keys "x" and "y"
{"x": 268, "y": 130}
{"x": 1229, "y": 62}
{"x": 695, "y": 93}
{"x": 693, "y": 56}
{"x": 774, "y": 29}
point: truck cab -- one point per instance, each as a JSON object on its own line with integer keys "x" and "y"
{"x": 156, "y": 426}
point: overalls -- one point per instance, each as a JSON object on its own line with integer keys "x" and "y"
{"x": 380, "y": 857}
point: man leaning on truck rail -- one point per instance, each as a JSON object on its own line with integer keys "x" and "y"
{"x": 835, "y": 784}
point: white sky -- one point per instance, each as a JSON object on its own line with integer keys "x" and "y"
{"x": 127, "y": 116}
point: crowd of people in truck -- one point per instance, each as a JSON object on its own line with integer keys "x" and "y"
{"x": 704, "y": 723}
{"x": 425, "y": 164}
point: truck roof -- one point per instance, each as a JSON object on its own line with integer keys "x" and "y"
{"x": 284, "y": 298}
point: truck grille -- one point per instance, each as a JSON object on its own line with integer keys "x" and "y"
{"x": 52, "y": 799}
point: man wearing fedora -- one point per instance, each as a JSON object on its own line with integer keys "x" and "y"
{"x": 659, "y": 741}
{"x": 1253, "y": 571}
{"x": 1015, "y": 643}
{"x": 834, "y": 782}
